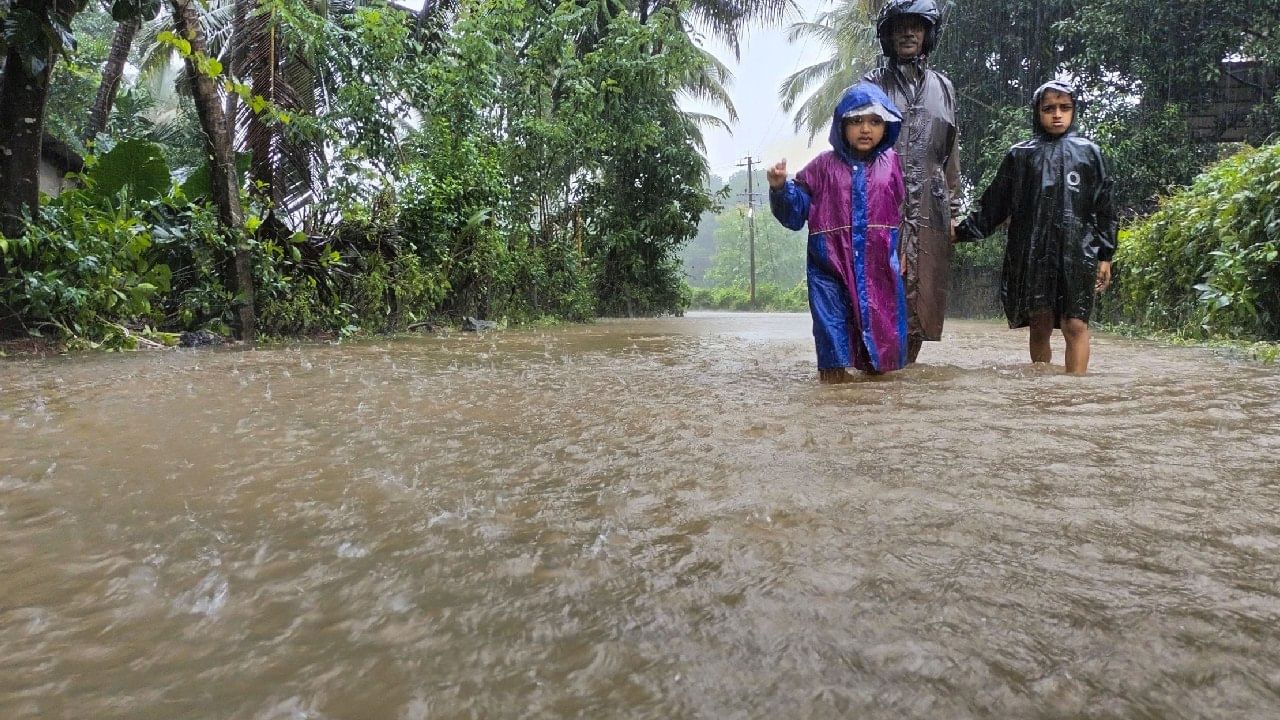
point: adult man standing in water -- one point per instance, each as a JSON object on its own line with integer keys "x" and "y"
{"x": 908, "y": 32}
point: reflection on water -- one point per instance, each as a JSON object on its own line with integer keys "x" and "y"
{"x": 642, "y": 519}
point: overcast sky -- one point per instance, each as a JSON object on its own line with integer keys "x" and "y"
{"x": 763, "y": 130}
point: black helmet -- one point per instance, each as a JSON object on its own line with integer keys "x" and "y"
{"x": 926, "y": 10}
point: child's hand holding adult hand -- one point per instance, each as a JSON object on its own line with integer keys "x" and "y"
{"x": 777, "y": 175}
{"x": 1104, "y": 276}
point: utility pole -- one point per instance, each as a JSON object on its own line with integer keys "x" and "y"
{"x": 751, "y": 225}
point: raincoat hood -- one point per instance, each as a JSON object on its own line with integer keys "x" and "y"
{"x": 926, "y": 10}
{"x": 1058, "y": 86}
{"x": 864, "y": 95}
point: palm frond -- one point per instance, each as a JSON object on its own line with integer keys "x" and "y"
{"x": 280, "y": 163}
{"x": 726, "y": 19}
{"x": 796, "y": 84}
{"x": 823, "y": 33}
{"x": 706, "y": 81}
{"x": 814, "y": 114}
{"x": 215, "y": 21}
{"x": 848, "y": 34}
{"x": 707, "y": 120}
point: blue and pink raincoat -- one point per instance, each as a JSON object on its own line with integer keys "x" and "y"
{"x": 854, "y": 207}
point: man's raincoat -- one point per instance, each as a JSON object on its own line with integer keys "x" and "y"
{"x": 853, "y": 209}
{"x": 931, "y": 169}
{"x": 1056, "y": 194}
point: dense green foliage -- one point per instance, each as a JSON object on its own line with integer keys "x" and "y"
{"x": 1206, "y": 263}
{"x": 101, "y": 253}
{"x": 769, "y": 298}
{"x": 513, "y": 159}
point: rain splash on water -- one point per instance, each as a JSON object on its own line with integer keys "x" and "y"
{"x": 639, "y": 519}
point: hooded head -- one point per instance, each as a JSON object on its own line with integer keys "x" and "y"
{"x": 1052, "y": 90}
{"x": 926, "y": 10}
{"x": 864, "y": 99}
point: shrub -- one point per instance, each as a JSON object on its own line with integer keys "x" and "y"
{"x": 1205, "y": 263}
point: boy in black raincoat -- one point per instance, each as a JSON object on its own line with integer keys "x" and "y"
{"x": 1056, "y": 194}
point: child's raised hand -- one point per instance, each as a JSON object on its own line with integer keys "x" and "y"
{"x": 777, "y": 174}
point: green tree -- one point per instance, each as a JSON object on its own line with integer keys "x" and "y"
{"x": 224, "y": 181}
{"x": 112, "y": 72}
{"x": 996, "y": 66}
{"x": 35, "y": 33}
{"x": 780, "y": 253}
{"x": 1167, "y": 51}
{"x": 1137, "y": 63}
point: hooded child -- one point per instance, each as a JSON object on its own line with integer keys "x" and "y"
{"x": 909, "y": 31}
{"x": 851, "y": 197}
{"x": 1055, "y": 191}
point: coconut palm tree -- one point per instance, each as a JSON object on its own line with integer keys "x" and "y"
{"x": 222, "y": 164}
{"x": 706, "y": 82}
{"x": 723, "y": 19}
{"x": 112, "y": 71}
{"x": 848, "y": 32}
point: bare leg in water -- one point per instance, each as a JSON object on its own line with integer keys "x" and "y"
{"x": 1041, "y": 331}
{"x": 1074, "y": 330}
{"x": 832, "y": 376}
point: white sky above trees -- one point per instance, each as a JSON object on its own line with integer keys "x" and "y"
{"x": 763, "y": 130}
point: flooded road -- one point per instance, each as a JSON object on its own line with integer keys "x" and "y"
{"x": 639, "y": 519}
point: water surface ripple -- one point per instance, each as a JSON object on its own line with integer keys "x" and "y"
{"x": 639, "y": 519}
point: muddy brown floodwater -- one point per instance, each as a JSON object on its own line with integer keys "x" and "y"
{"x": 639, "y": 519}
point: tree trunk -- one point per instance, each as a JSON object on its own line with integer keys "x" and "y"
{"x": 235, "y": 61}
{"x": 22, "y": 100}
{"x": 121, "y": 42}
{"x": 222, "y": 161}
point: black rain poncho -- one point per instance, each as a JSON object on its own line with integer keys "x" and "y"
{"x": 1056, "y": 194}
